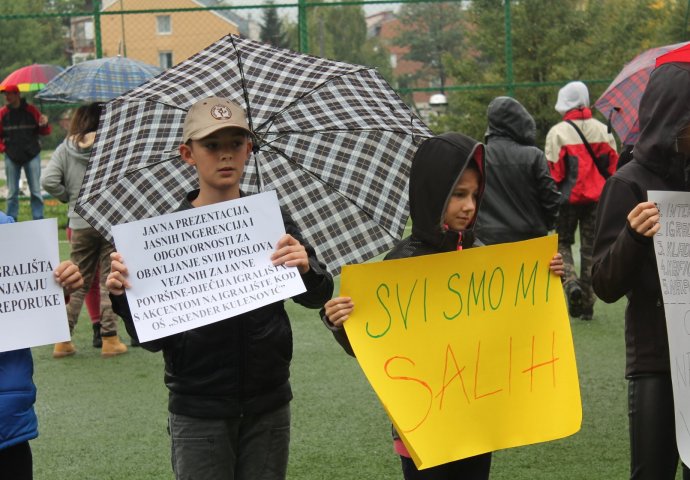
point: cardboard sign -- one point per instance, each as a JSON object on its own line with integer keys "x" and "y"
{"x": 203, "y": 265}
{"x": 672, "y": 250}
{"x": 32, "y": 303}
{"x": 470, "y": 351}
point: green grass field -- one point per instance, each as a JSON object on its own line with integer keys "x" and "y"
{"x": 106, "y": 418}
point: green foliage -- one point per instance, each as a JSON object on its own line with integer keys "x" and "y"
{"x": 272, "y": 28}
{"x": 340, "y": 33}
{"x": 551, "y": 42}
{"x": 32, "y": 40}
{"x": 431, "y": 32}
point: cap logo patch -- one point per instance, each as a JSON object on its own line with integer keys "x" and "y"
{"x": 221, "y": 112}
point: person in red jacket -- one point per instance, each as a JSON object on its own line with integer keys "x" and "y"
{"x": 20, "y": 126}
{"x": 580, "y": 177}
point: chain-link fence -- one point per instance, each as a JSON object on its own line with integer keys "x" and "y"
{"x": 447, "y": 59}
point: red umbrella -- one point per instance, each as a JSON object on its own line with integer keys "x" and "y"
{"x": 32, "y": 77}
{"x": 681, "y": 54}
{"x": 621, "y": 99}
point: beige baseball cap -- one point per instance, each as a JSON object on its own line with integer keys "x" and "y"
{"x": 211, "y": 114}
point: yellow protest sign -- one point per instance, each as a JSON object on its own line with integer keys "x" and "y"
{"x": 470, "y": 351}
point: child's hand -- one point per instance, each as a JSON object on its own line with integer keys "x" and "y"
{"x": 556, "y": 266}
{"x": 338, "y": 309}
{"x": 291, "y": 253}
{"x": 644, "y": 219}
{"x": 68, "y": 276}
{"x": 117, "y": 278}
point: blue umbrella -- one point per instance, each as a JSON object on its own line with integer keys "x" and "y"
{"x": 98, "y": 80}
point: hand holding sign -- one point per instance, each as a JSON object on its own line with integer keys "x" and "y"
{"x": 644, "y": 219}
{"x": 291, "y": 253}
{"x": 117, "y": 281}
{"x": 68, "y": 276}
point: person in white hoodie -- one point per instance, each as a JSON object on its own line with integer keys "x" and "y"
{"x": 62, "y": 178}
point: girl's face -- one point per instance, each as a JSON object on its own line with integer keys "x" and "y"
{"x": 463, "y": 201}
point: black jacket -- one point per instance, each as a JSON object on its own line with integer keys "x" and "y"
{"x": 19, "y": 131}
{"x": 240, "y": 365}
{"x": 436, "y": 168}
{"x": 521, "y": 200}
{"x": 624, "y": 261}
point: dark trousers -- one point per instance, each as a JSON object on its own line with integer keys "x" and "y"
{"x": 16, "y": 462}
{"x": 473, "y": 468}
{"x": 251, "y": 447}
{"x": 653, "y": 450}
{"x": 569, "y": 218}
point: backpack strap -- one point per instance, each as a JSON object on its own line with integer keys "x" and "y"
{"x": 602, "y": 170}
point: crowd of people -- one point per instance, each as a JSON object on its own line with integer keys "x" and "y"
{"x": 463, "y": 194}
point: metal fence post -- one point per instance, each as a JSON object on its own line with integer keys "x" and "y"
{"x": 302, "y": 26}
{"x": 509, "y": 50}
{"x": 97, "y": 27}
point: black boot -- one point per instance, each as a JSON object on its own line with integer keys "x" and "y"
{"x": 97, "y": 341}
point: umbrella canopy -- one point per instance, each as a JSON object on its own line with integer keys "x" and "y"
{"x": 32, "y": 77}
{"x": 98, "y": 80}
{"x": 621, "y": 99}
{"x": 334, "y": 140}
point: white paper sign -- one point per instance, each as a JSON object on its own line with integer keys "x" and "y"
{"x": 32, "y": 303}
{"x": 206, "y": 264}
{"x": 672, "y": 249}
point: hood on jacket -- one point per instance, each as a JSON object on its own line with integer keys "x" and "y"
{"x": 664, "y": 112}
{"x": 436, "y": 168}
{"x": 508, "y": 118}
{"x": 572, "y": 95}
{"x": 80, "y": 151}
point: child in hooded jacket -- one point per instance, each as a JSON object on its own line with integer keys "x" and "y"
{"x": 625, "y": 264}
{"x": 447, "y": 181}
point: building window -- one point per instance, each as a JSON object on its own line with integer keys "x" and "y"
{"x": 163, "y": 24}
{"x": 165, "y": 60}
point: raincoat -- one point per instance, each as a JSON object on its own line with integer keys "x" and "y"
{"x": 521, "y": 199}
{"x": 624, "y": 261}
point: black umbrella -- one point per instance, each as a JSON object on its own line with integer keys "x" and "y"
{"x": 333, "y": 139}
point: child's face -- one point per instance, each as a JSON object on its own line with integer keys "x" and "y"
{"x": 463, "y": 201}
{"x": 219, "y": 158}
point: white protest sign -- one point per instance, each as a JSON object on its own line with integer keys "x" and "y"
{"x": 672, "y": 249}
{"x": 32, "y": 303}
{"x": 206, "y": 264}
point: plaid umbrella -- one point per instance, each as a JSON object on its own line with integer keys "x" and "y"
{"x": 98, "y": 80}
{"x": 621, "y": 99}
{"x": 334, "y": 140}
{"x": 32, "y": 77}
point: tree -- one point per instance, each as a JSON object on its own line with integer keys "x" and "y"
{"x": 551, "y": 42}
{"x": 34, "y": 40}
{"x": 340, "y": 33}
{"x": 431, "y": 31}
{"x": 272, "y": 28}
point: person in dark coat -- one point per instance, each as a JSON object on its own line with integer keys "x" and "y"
{"x": 521, "y": 200}
{"x": 447, "y": 185}
{"x": 21, "y": 124}
{"x": 624, "y": 264}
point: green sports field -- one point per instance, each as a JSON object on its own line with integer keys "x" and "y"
{"x": 106, "y": 418}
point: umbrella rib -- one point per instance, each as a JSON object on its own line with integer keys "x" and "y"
{"x": 327, "y": 185}
{"x": 245, "y": 91}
